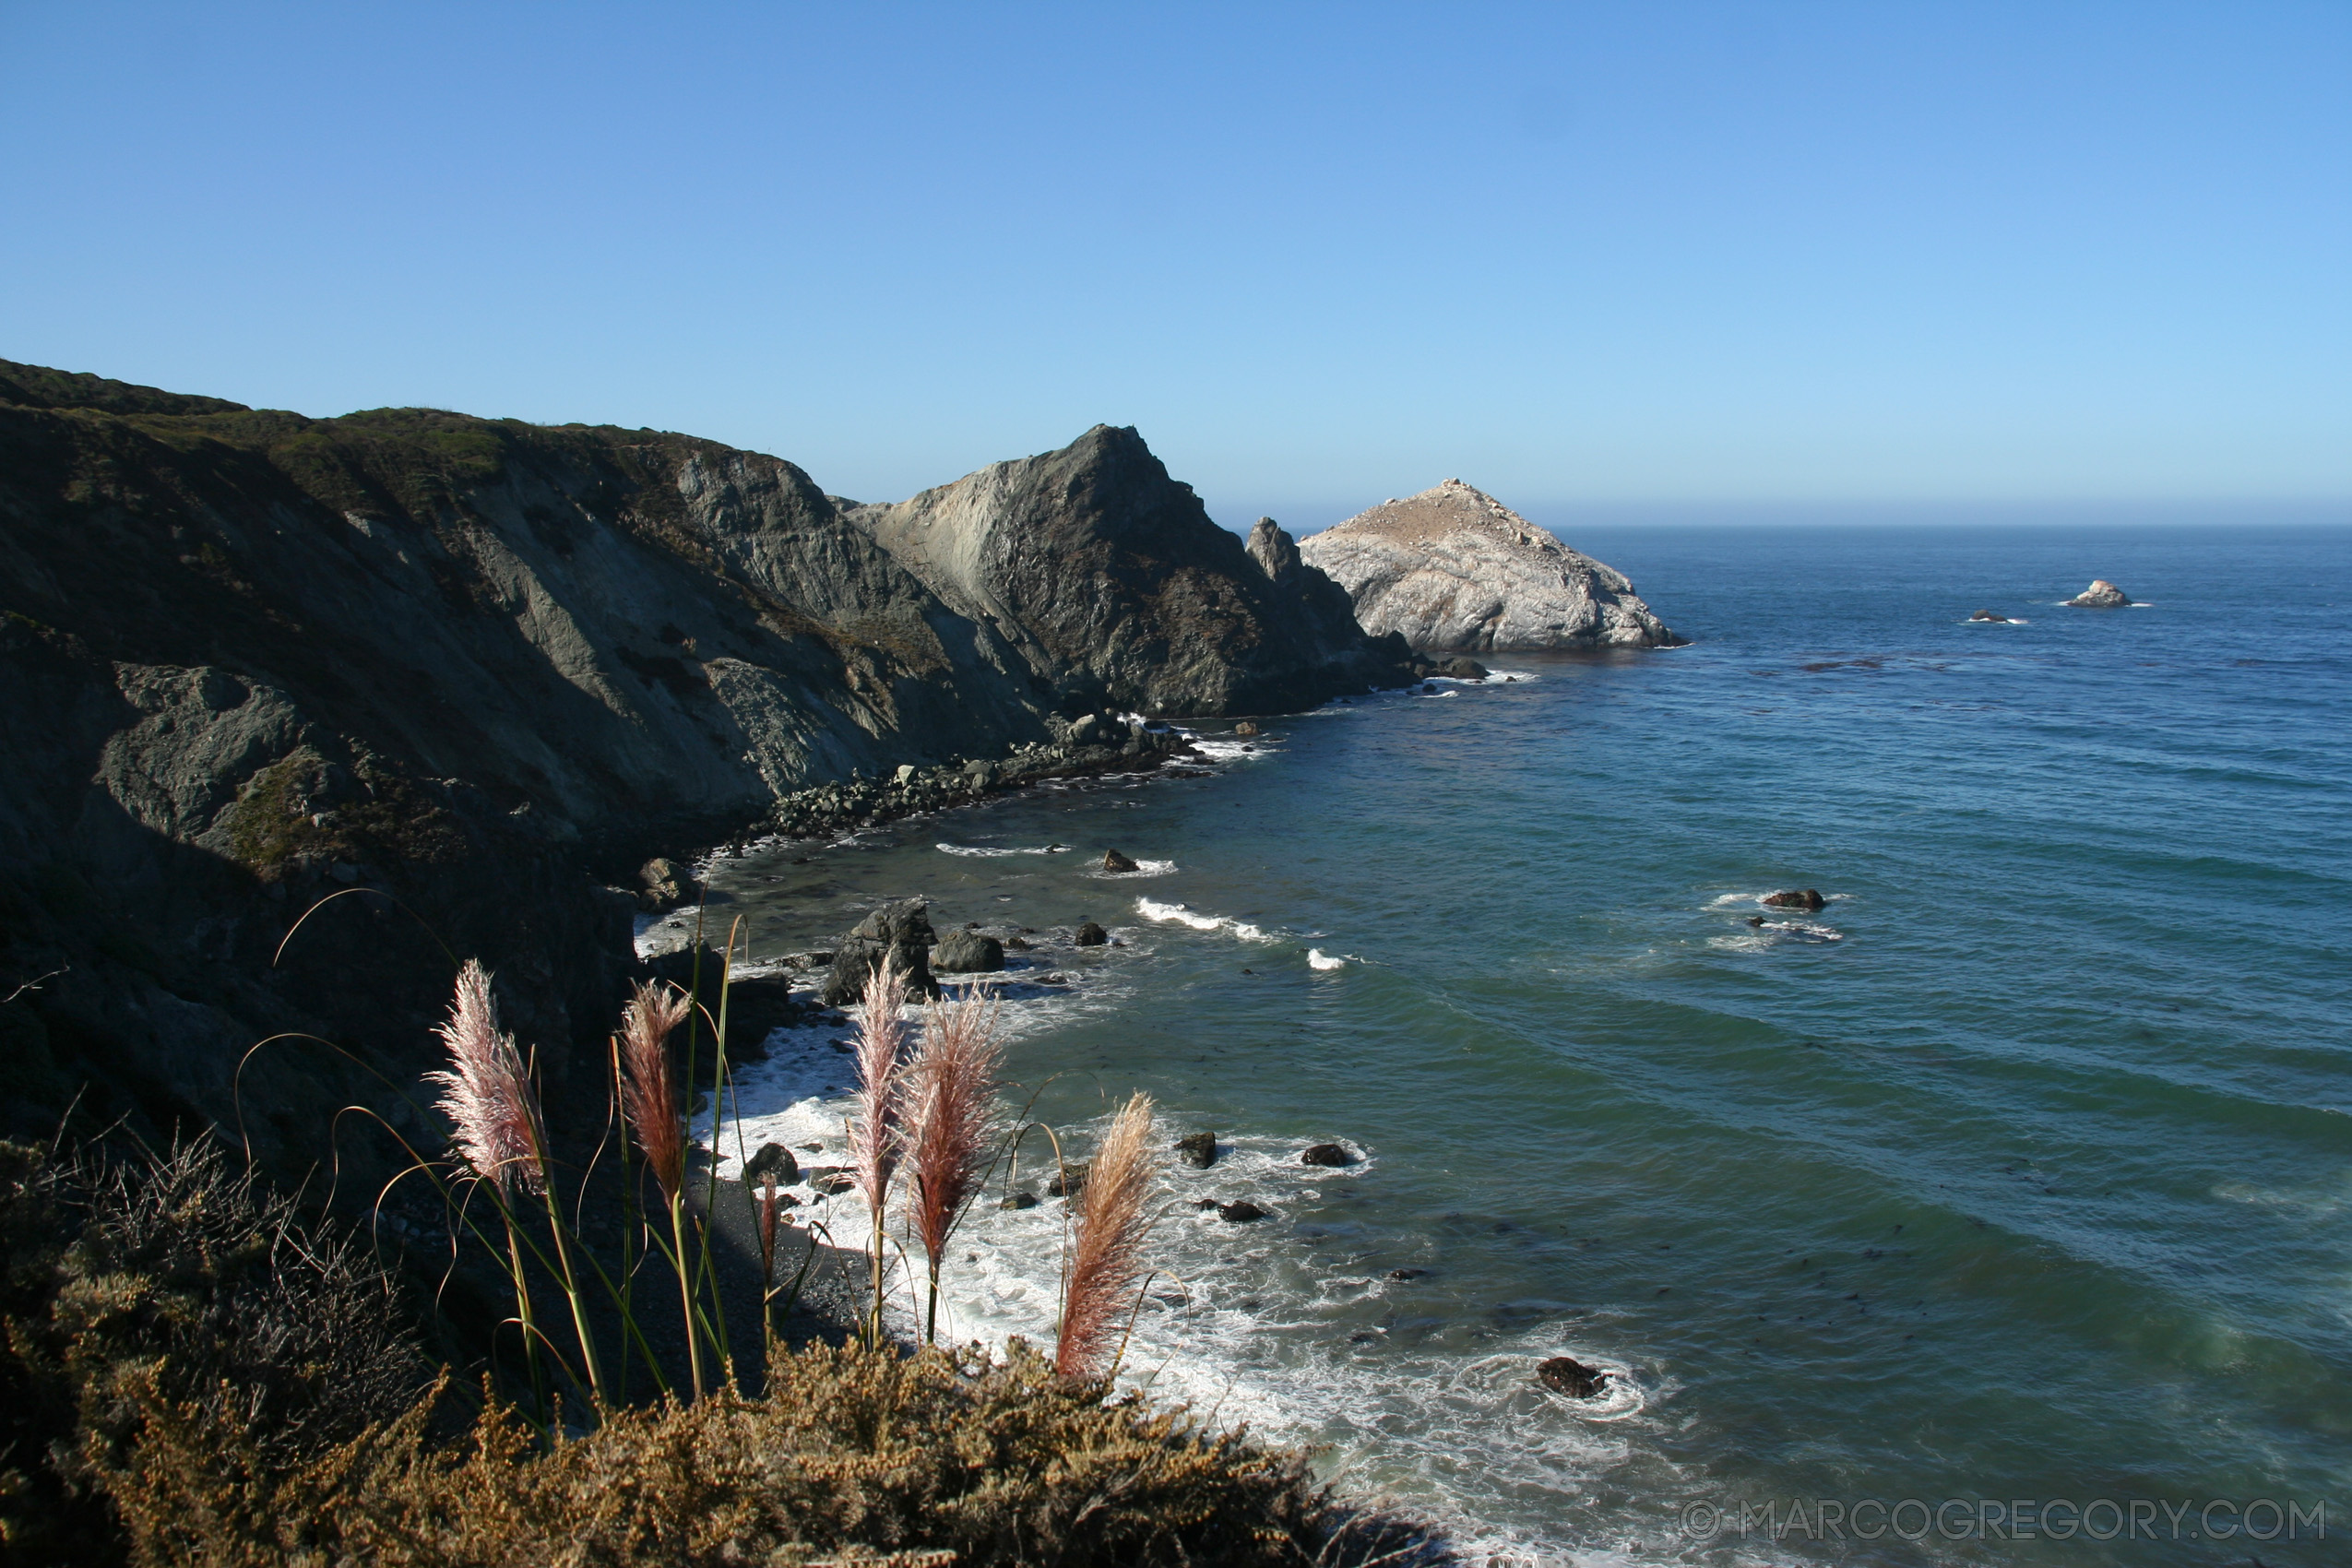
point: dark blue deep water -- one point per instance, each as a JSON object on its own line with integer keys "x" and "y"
{"x": 2021, "y": 1172}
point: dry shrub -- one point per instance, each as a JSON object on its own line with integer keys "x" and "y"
{"x": 173, "y": 1281}
{"x": 850, "y": 1454}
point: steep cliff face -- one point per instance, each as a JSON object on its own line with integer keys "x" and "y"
{"x": 249, "y": 659}
{"x": 1110, "y": 581}
{"x": 1454, "y": 569}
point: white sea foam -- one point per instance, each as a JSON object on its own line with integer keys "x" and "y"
{"x": 1173, "y": 913}
{"x": 1143, "y": 868}
{"x": 1234, "y": 750}
{"x": 1318, "y": 959}
{"x": 985, "y": 852}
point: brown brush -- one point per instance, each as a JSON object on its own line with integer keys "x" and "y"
{"x": 1107, "y": 1262}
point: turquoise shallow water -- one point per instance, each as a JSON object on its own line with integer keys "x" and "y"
{"x": 2026, "y": 1174}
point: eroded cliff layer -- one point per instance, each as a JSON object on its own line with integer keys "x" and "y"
{"x": 1454, "y": 569}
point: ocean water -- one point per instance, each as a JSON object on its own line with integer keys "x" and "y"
{"x": 2020, "y": 1172}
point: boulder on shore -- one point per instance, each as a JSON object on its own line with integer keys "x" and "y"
{"x": 966, "y": 953}
{"x": 1454, "y": 569}
{"x": 2101, "y": 595}
{"x": 663, "y": 884}
{"x": 1806, "y": 898}
{"x": 899, "y": 931}
{"x": 1565, "y": 1374}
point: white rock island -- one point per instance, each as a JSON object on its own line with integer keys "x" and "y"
{"x": 1454, "y": 569}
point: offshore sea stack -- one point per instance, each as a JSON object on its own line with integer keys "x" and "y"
{"x": 1455, "y": 570}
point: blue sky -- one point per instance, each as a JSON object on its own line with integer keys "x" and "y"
{"x": 1584, "y": 256}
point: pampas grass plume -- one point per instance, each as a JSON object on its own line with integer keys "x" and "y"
{"x": 488, "y": 1094}
{"x": 874, "y": 1135}
{"x": 648, "y": 1094}
{"x": 1107, "y": 1262}
{"x": 952, "y": 1091}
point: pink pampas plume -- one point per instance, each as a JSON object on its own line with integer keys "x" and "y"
{"x": 648, "y": 1093}
{"x": 1108, "y": 1264}
{"x": 488, "y": 1094}
{"x": 952, "y": 1115}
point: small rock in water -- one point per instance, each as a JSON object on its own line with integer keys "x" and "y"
{"x": 1462, "y": 669}
{"x": 1406, "y": 1273}
{"x": 1197, "y": 1151}
{"x": 1113, "y": 860}
{"x": 1015, "y": 944}
{"x": 1091, "y": 935}
{"x": 1240, "y": 1212}
{"x": 1327, "y": 1154}
{"x": 1245, "y": 728}
{"x": 1989, "y": 616}
{"x": 832, "y": 1181}
{"x": 1805, "y": 898}
{"x": 1755, "y": 920}
{"x": 1067, "y": 1183}
{"x": 1019, "y": 1200}
{"x": 773, "y": 1158}
{"x": 1565, "y": 1374}
{"x": 2101, "y": 595}
{"x": 968, "y": 952}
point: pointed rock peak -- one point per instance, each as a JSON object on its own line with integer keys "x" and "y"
{"x": 1273, "y": 549}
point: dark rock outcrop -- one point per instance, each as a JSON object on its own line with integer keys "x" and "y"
{"x": 1069, "y": 1181}
{"x": 1115, "y": 589}
{"x": 2101, "y": 595}
{"x": 968, "y": 952}
{"x": 1091, "y": 935}
{"x": 772, "y": 1159}
{"x": 1327, "y": 1154}
{"x": 1112, "y": 860}
{"x": 1989, "y": 615}
{"x": 1805, "y": 898}
{"x": 1197, "y": 1149}
{"x": 1240, "y": 1212}
{"x": 899, "y": 931}
{"x": 1565, "y": 1374}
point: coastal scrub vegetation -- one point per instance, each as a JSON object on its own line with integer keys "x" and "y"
{"x": 197, "y": 1371}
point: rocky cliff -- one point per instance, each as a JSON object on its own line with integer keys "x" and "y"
{"x": 1454, "y": 569}
{"x": 1114, "y": 588}
{"x": 468, "y": 670}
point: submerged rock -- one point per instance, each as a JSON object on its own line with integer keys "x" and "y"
{"x": 1806, "y": 898}
{"x": 2101, "y": 595}
{"x": 1240, "y": 1212}
{"x": 1068, "y": 1182}
{"x": 1989, "y": 616}
{"x": 1454, "y": 568}
{"x": 1018, "y": 1200}
{"x": 1406, "y": 1273}
{"x": 1197, "y": 1151}
{"x": 968, "y": 952}
{"x": 1565, "y": 1374}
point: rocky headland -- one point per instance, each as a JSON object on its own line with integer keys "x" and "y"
{"x": 470, "y": 674}
{"x": 1453, "y": 569}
